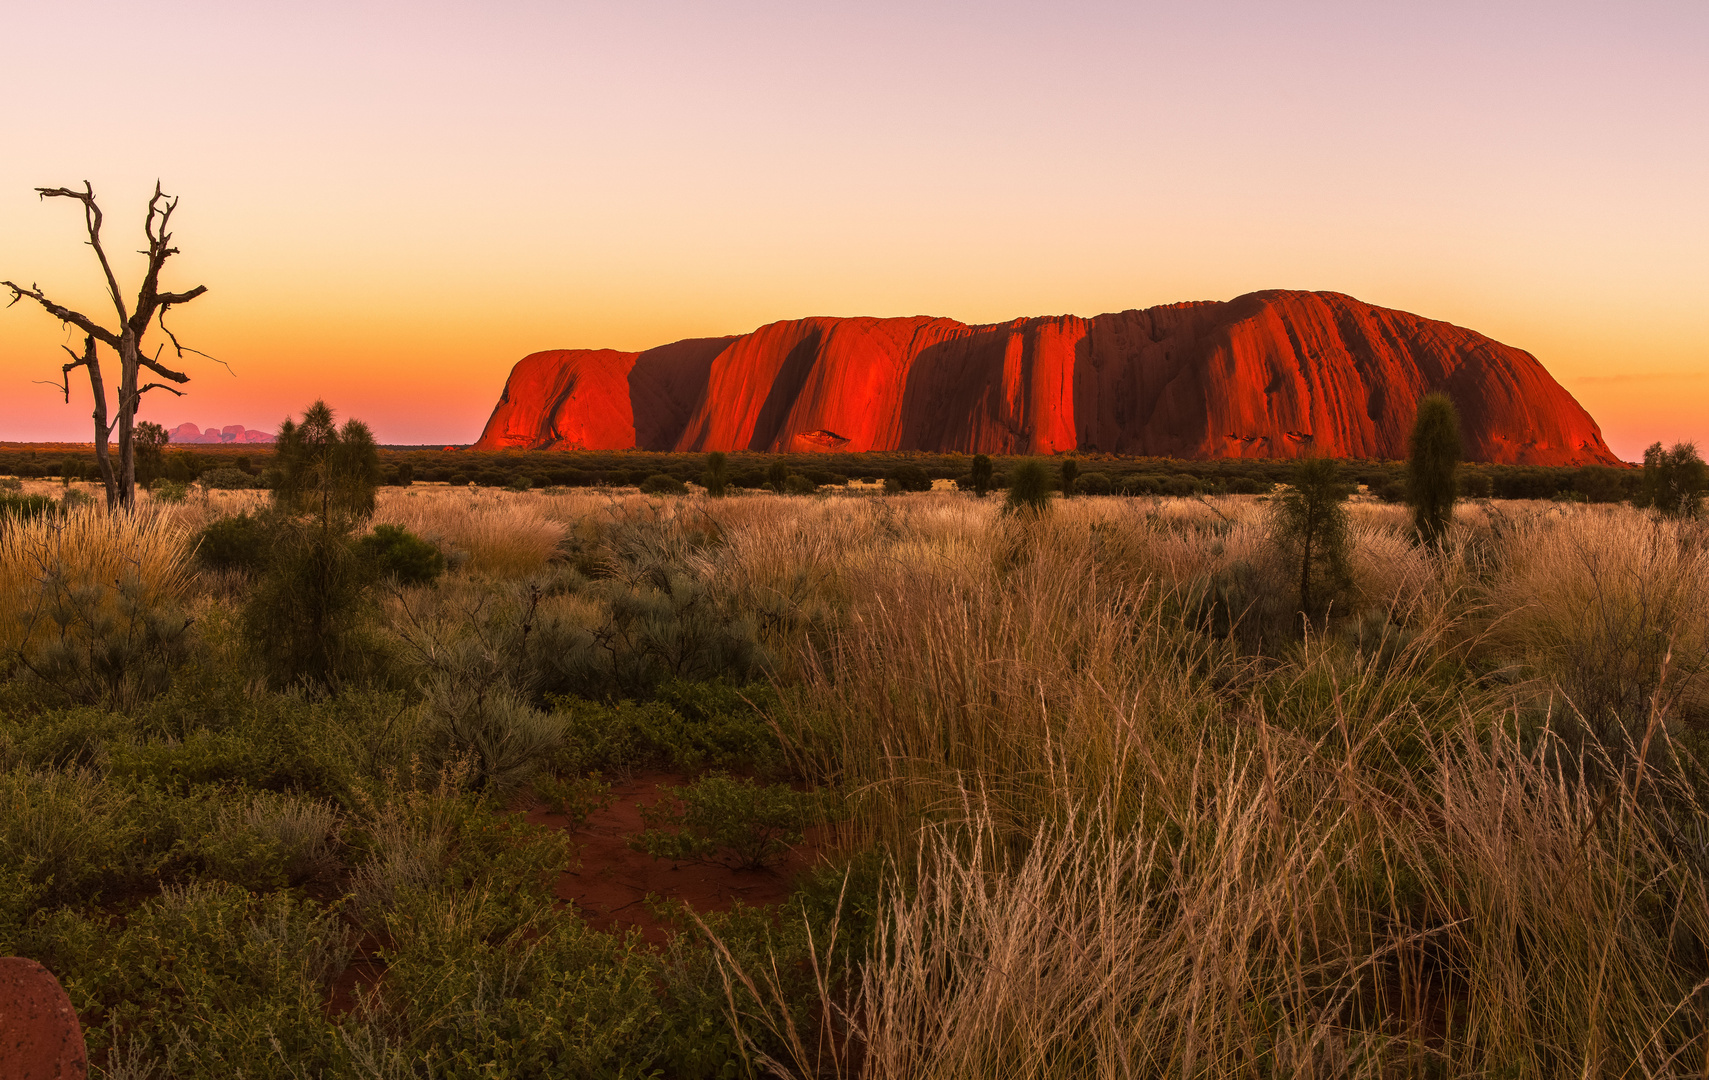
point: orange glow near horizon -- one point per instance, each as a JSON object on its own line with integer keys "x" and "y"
{"x": 392, "y": 204}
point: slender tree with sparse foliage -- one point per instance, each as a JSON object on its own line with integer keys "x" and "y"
{"x": 981, "y": 475}
{"x": 134, "y": 321}
{"x": 1432, "y": 467}
{"x": 303, "y": 613}
{"x": 1312, "y": 528}
{"x": 1674, "y": 480}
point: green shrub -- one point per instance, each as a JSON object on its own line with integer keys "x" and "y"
{"x": 669, "y": 625}
{"x": 980, "y": 474}
{"x": 736, "y": 824}
{"x": 1068, "y": 472}
{"x": 241, "y": 542}
{"x": 576, "y": 798}
{"x": 907, "y": 478}
{"x": 1674, "y": 481}
{"x": 111, "y": 644}
{"x": 218, "y": 981}
{"x": 26, "y": 507}
{"x": 226, "y": 478}
{"x": 1094, "y": 484}
{"x": 165, "y": 490}
{"x": 392, "y": 551}
{"x": 1029, "y": 488}
{"x": 1475, "y": 484}
{"x": 799, "y": 485}
{"x": 660, "y": 484}
{"x": 692, "y": 726}
{"x": 777, "y": 475}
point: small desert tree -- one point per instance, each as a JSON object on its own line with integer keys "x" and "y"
{"x": 1070, "y": 473}
{"x": 1674, "y": 480}
{"x": 324, "y": 471}
{"x": 1311, "y": 529}
{"x": 717, "y": 478}
{"x": 1433, "y": 460}
{"x": 302, "y": 613}
{"x": 150, "y": 441}
{"x": 778, "y": 475}
{"x": 134, "y": 322}
{"x": 981, "y": 474}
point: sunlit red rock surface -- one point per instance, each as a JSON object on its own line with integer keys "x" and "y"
{"x": 40, "y": 1038}
{"x": 1269, "y": 374}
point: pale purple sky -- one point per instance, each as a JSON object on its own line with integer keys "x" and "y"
{"x": 391, "y": 203}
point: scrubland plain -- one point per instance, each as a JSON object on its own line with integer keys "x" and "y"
{"x": 1083, "y": 794}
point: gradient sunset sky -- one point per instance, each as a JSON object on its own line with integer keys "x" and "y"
{"x": 392, "y": 203}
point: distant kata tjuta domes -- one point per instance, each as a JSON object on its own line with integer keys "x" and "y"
{"x": 231, "y": 433}
{"x": 1269, "y": 374}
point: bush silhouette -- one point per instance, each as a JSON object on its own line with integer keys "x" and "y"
{"x": 1433, "y": 459}
{"x": 1674, "y": 480}
{"x": 1029, "y": 488}
{"x": 392, "y": 551}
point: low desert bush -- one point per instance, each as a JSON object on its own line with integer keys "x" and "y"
{"x": 240, "y": 542}
{"x": 660, "y": 484}
{"x": 736, "y": 824}
{"x": 226, "y": 478}
{"x": 399, "y": 555}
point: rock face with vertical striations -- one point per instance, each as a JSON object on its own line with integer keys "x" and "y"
{"x": 1269, "y": 374}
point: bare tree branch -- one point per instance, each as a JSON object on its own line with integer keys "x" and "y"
{"x": 181, "y": 349}
{"x": 63, "y": 314}
{"x": 145, "y": 388}
{"x": 92, "y": 223}
{"x": 155, "y": 366}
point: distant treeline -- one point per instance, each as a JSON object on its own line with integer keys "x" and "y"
{"x": 1099, "y": 473}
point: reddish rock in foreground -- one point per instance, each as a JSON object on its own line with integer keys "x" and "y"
{"x": 1269, "y": 374}
{"x": 40, "y": 1038}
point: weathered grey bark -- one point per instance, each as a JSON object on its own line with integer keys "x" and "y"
{"x": 133, "y": 325}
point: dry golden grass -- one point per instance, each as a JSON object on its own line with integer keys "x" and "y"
{"x": 90, "y": 547}
{"x": 501, "y": 534}
{"x": 1124, "y": 849}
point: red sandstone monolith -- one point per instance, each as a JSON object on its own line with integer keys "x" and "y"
{"x": 1268, "y": 375}
{"x": 40, "y": 1038}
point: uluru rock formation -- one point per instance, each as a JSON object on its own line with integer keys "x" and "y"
{"x": 1269, "y": 374}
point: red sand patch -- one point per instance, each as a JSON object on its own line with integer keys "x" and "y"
{"x": 612, "y": 883}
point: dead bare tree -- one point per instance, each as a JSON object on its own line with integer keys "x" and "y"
{"x": 151, "y": 307}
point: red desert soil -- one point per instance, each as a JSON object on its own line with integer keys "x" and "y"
{"x": 612, "y": 883}
{"x": 1268, "y": 375}
{"x": 40, "y": 1038}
